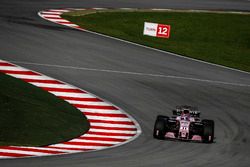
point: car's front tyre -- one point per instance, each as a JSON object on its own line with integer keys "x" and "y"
{"x": 208, "y": 131}
{"x": 160, "y": 127}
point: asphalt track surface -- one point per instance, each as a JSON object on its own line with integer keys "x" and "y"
{"x": 128, "y": 76}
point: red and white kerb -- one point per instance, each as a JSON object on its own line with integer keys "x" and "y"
{"x": 109, "y": 125}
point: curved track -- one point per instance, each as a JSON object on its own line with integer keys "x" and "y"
{"x": 133, "y": 84}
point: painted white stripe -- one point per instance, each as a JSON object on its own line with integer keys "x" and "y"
{"x": 115, "y": 137}
{"x": 114, "y": 116}
{"x": 23, "y": 152}
{"x": 109, "y": 118}
{"x": 101, "y": 111}
{"x": 88, "y": 103}
{"x": 53, "y": 85}
{"x": 78, "y": 146}
{"x": 95, "y": 141}
{"x": 56, "y": 20}
{"x": 2, "y": 157}
{"x": 81, "y": 95}
{"x": 50, "y": 15}
{"x": 11, "y": 68}
{"x": 58, "y": 10}
{"x": 78, "y": 9}
{"x": 45, "y": 12}
{"x": 70, "y": 24}
{"x": 99, "y": 8}
{"x": 127, "y": 8}
{"x": 112, "y": 131}
{"x": 52, "y": 149}
{"x": 65, "y": 22}
{"x": 112, "y": 125}
{"x": 40, "y": 77}
{"x": 161, "y": 9}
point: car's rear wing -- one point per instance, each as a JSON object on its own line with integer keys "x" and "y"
{"x": 194, "y": 112}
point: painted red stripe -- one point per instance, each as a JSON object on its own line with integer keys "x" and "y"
{"x": 72, "y": 149}
{"x": 87, "y": 144}
{"x": 102, "y": 139}
{"x": 109, "y": 134}
{"x": 105, "y": 115}
{"x": 13, "y": 154}
{"x": 42, "y": 81}
{"x": 113, "y": 128}
{"x": 63, "y": 90}
{"x": 30, "y": 149}
{"x": 19, "y": 72}
{"x": 6, "y": 64}
{"x": 95, "y": 107}
{"x": 80, "y": 99}
{"x": 111, "y": 122}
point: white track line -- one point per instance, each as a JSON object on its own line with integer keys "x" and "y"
{"x": 137, "y": 73}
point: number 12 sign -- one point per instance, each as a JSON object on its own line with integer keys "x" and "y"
{"x": 163, "y": 31}
{"x": 156, "y": 30}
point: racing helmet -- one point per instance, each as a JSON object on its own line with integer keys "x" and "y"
{"x": 185, "y": 113}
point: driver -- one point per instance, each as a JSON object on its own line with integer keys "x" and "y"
{"x": 185, "y": 115}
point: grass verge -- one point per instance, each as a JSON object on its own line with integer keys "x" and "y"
{"x": 30, "y": 116}
{"x": 217, "y": 38}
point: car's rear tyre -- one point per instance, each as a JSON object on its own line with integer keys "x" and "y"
{"x": 160, "y": 127}
{"x": 208, "y": 131}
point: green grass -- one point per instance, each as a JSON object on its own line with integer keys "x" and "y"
{"x": 30, "y": 116}
{"x": 218, "y": 38}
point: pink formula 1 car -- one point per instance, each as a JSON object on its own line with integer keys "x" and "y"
{"x": 185, "y": 124}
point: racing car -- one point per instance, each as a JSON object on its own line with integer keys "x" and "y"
{"x": 185, "y": 124}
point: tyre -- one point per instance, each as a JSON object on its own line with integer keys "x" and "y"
{"x": 196, "y": 129}
{"x": 208, "y": 131}
{"x": 160, "y": 127}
